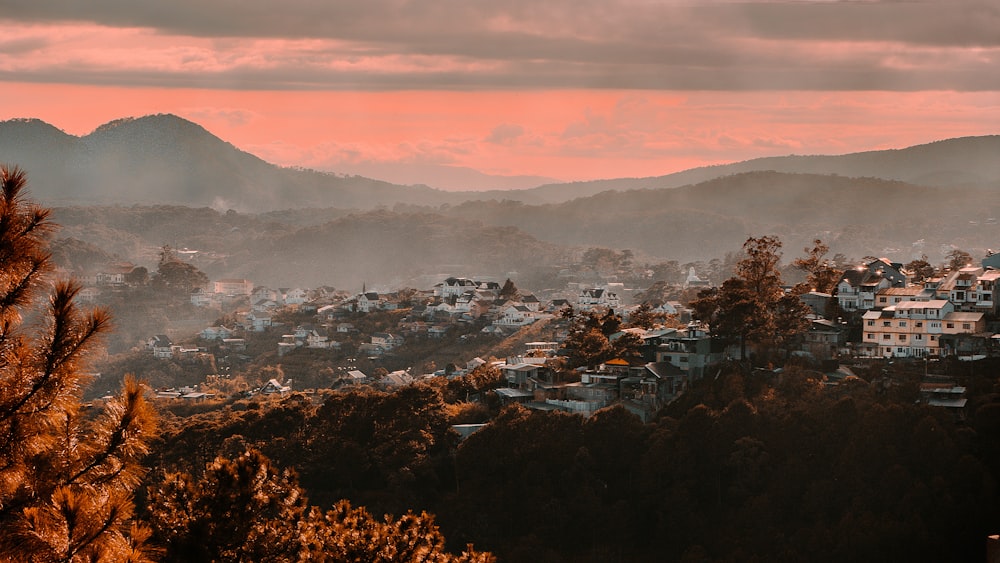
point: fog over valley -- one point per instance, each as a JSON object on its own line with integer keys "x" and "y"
{"x": 281, "y": 226}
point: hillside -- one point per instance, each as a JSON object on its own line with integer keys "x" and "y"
{"x": 961, "y": 162}
{"x": 164, "y": 159}
{"x": 857, "y": 216}
{"x": 346, "y": 250}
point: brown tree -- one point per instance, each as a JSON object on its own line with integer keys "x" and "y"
{"x": 66, "y": 478}
{"x": 821, "y": 274}
{"x": 751, "y": 306}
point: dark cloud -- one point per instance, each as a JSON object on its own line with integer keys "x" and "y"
{"x": 650, "y": 44}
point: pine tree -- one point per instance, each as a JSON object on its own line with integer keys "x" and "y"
{"x": 66, "y": 477}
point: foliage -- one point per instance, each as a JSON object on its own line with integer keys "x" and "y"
{"x": 822, "y": 275}
{"x": 590, "y": 339}
{"x": 920, "y": 269}
{"x": 958, "y": 259}
{"x": 66, "y": 478}
{"x": 177, "y": 276}
{"x": 245, "y": 509}
{"x": 751, "y": 306}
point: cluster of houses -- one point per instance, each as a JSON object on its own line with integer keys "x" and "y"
{"x": 671, "y": 359}
{"x": 940, "y": 316}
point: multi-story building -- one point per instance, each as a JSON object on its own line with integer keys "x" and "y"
{"x": 915, "y": 328}
{"x": 857, "y": 289}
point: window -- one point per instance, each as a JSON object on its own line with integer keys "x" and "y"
{"x": 901, "y": 350}
{"x": 967, "y": 326}
{"x": 951, "y": 325}
{"x": 886, "y": 336}
{"x": 886, "y": 323}
{"x": 871, "y": 322}
{"x": 920, "y": 324}
{"x": 871, "y": 336}
{"x": 902, "y": 337}
{"x": 902, "y": 324}
{"x": 918, "y": 336}
{"x": 933, "y": 338}
{"x": 935, "y": 325}
{"x": 881, "y": 299}
{"x": 684, "y": 359}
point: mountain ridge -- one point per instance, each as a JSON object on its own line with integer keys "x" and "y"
{"x": 164, "y": 158}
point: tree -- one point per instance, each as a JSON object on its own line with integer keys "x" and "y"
{"x": 245, "y": 509}
{"x": 589, "y": 343}
{"x": 138, "y": 276}
{"x": 509, "y": 291}
{"x": 751, "y": 306}
{"x": 821, "y": 274}
{"x": 958, "y": 259}
{"x": 66, "y": 479}
{"x": 176, "y": 276}
{"x": 236, "y": 510}
{"x": 920, "y": 269}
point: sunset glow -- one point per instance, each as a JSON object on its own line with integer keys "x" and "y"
{"x": 572, "y": 91}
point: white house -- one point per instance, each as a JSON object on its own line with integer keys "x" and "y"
{"x": 368, "y": 302}
{"x": 387, "y": 341}
{"x": 598, "y": 297}
{"x": 258, "y": 322}
{"x": 294, "y": 296}
{"x": 272, "y": 387}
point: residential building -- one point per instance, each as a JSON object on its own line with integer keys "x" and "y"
{"x": 857, "y": 289}
{"x": 597, "y": 297}
{"x": 691, "y": 349}
{"x": 917, "y": 329}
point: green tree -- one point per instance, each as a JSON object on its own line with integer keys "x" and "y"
{"x": 66, "y": 479}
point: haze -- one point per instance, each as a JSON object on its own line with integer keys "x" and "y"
{"x": 432, "y": 92}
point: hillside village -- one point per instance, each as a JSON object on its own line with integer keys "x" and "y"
{"x": 877, "y": 309}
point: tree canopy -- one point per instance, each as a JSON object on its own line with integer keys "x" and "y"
{"x": 751, "y": 306}
{"x": 66, "y": 478}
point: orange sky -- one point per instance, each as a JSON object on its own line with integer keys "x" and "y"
{"x": 577, "y": 90}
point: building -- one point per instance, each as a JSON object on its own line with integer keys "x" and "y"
{"x": 917, "y": 329}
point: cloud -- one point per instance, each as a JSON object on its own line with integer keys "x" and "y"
{"x": 505, "y": 134}
{"x": 513, "y": 44}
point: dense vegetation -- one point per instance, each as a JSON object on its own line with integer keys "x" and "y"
{"x": 747, "y": 466}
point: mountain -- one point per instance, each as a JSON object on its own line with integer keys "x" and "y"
{"x": 348, "y": 249}
{"x": 166, "y": 159}
{"x": 961, "y": 162}
{"x": 857, "y": 216}
{"x": 444, "y": 177}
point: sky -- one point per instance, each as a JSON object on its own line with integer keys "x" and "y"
{"x": 421, "y": 91}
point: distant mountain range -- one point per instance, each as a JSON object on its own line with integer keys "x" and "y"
{"x": 164, "y": 159}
